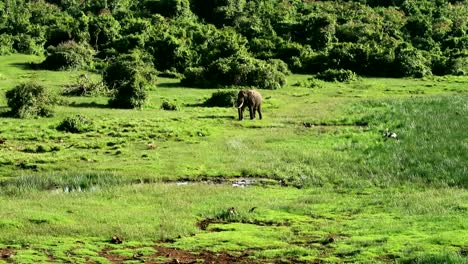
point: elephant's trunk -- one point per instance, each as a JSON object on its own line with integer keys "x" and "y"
{"x": 241, "y": 105}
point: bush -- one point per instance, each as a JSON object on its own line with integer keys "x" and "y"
{"x": 130, "y": 93}
{"x": 225, "y": 98}
{"x": 166, "y": 105}
{"x": 194, "y": 77}
{"x": 458, "y": 66}
{"x": 128, "y": 77}
{"x": 85, "y": 87}
{"x": 6, "y": 44}
{"x": 412, "y": 62}
{"x": 30, "y": 99}
{"x": 238, "y": 70}
{"x": 69, "y": 55}
{"x": 75, "y": 124}
{"x": 170, "y": 74}
{"x": 27, "y": 44}
{"x": 310, "y": 83}
{"x": 333, "y": 75}
{"x": 279, "y": 65}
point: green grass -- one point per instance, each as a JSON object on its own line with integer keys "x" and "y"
{"x": 348, "y": 194}
{"x": 366, "y": 224}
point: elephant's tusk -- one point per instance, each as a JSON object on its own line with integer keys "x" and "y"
{"x": 241, "y": 105}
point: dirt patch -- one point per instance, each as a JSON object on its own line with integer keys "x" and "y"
{"x": 172, "y": 255}
{"x": 6, "y": 253}
{"x": 234, "y": 181}
{"x": 203, "y": 224}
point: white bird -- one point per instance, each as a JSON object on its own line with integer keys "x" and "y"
{"x": 389, "y": 134}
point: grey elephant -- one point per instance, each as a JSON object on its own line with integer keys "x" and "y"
{"x": 251, "y": 99}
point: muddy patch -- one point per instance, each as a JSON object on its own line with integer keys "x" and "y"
{"x": 6, "y": 253}
{"x": 172, "y": 255}
{"x": 203, "y": 224}
{"x": 239, "y": 182}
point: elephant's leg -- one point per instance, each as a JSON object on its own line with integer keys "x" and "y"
{"x": 241, "y": 113}
{"x": 251, "y": 111}
{"x": 259, "y": 109}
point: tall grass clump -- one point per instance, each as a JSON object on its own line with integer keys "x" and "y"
{"x": 29, "y": 100}
{"x": 84, "y": 86}
{"x": 333, "y": 75}
{"x": 169, "y": 106}
{"x": 65, "y": 182}
{"x": 76, "y": 124}
{"x": 439, "y": 259}
{"x": 430, "y": 144}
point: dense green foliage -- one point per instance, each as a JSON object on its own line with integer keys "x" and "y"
{"x": 169, "y": 106}
{"x": 75, "y": 124}
{"x": 332, "y": 75}
{"x": 128, "y": 77}
{"x": 69, "y": 55}
{"x": 29, "y": 100}
{"x": 210, "y": 40}
{"x": 222, "y": 99}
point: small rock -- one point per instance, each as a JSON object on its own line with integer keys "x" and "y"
{"x": 389, "y": 134}
{"x": 116, "y": 240}
{"x": 151, "y": 146}
{"x": 232, "y": 211}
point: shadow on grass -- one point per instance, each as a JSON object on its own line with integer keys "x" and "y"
{"x": 26, "y": 65}
{"x": 217, "y": 117}
{"x": 5, "y": 112}
{"x": 195, "y": 105}
{"x": 171, "y": 85}
{"x": 89, "y": 105}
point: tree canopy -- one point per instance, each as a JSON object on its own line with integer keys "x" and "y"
{"x": 234, "y": 42}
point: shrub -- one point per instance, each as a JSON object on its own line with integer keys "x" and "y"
{"x": 166, "y": 105}
{"x": 27, "y": 44}
{"x": 75, "y": 124}
{"x": 69, "y": 55}
{"x": 458, "y": 66}
{"x": 194, "y": 77}
{"x": 170, "y": 74}
{"x": 333, "y": 75}
{"x": 226, "y": 98}
{"x": 266, "y": 76}
{"x": 237, "y": 70}
{"x": 85, "y": 87}
{"x": 30, "y": 99}
{"x": 130, "y": 93}
{"x": 279, "y": 65}
{"x": 310, "y": 83}
{"x": 412, "y": 62}
{"x": 6, "y": 44}
{"x": 128, "y": 77}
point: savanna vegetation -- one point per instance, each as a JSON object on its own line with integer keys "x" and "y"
{"x": 119, "y": 143}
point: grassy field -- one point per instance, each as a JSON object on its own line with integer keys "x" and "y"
{"x": 327, "y": 186}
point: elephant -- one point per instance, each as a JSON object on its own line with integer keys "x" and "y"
{"x": 251, "y": 99}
